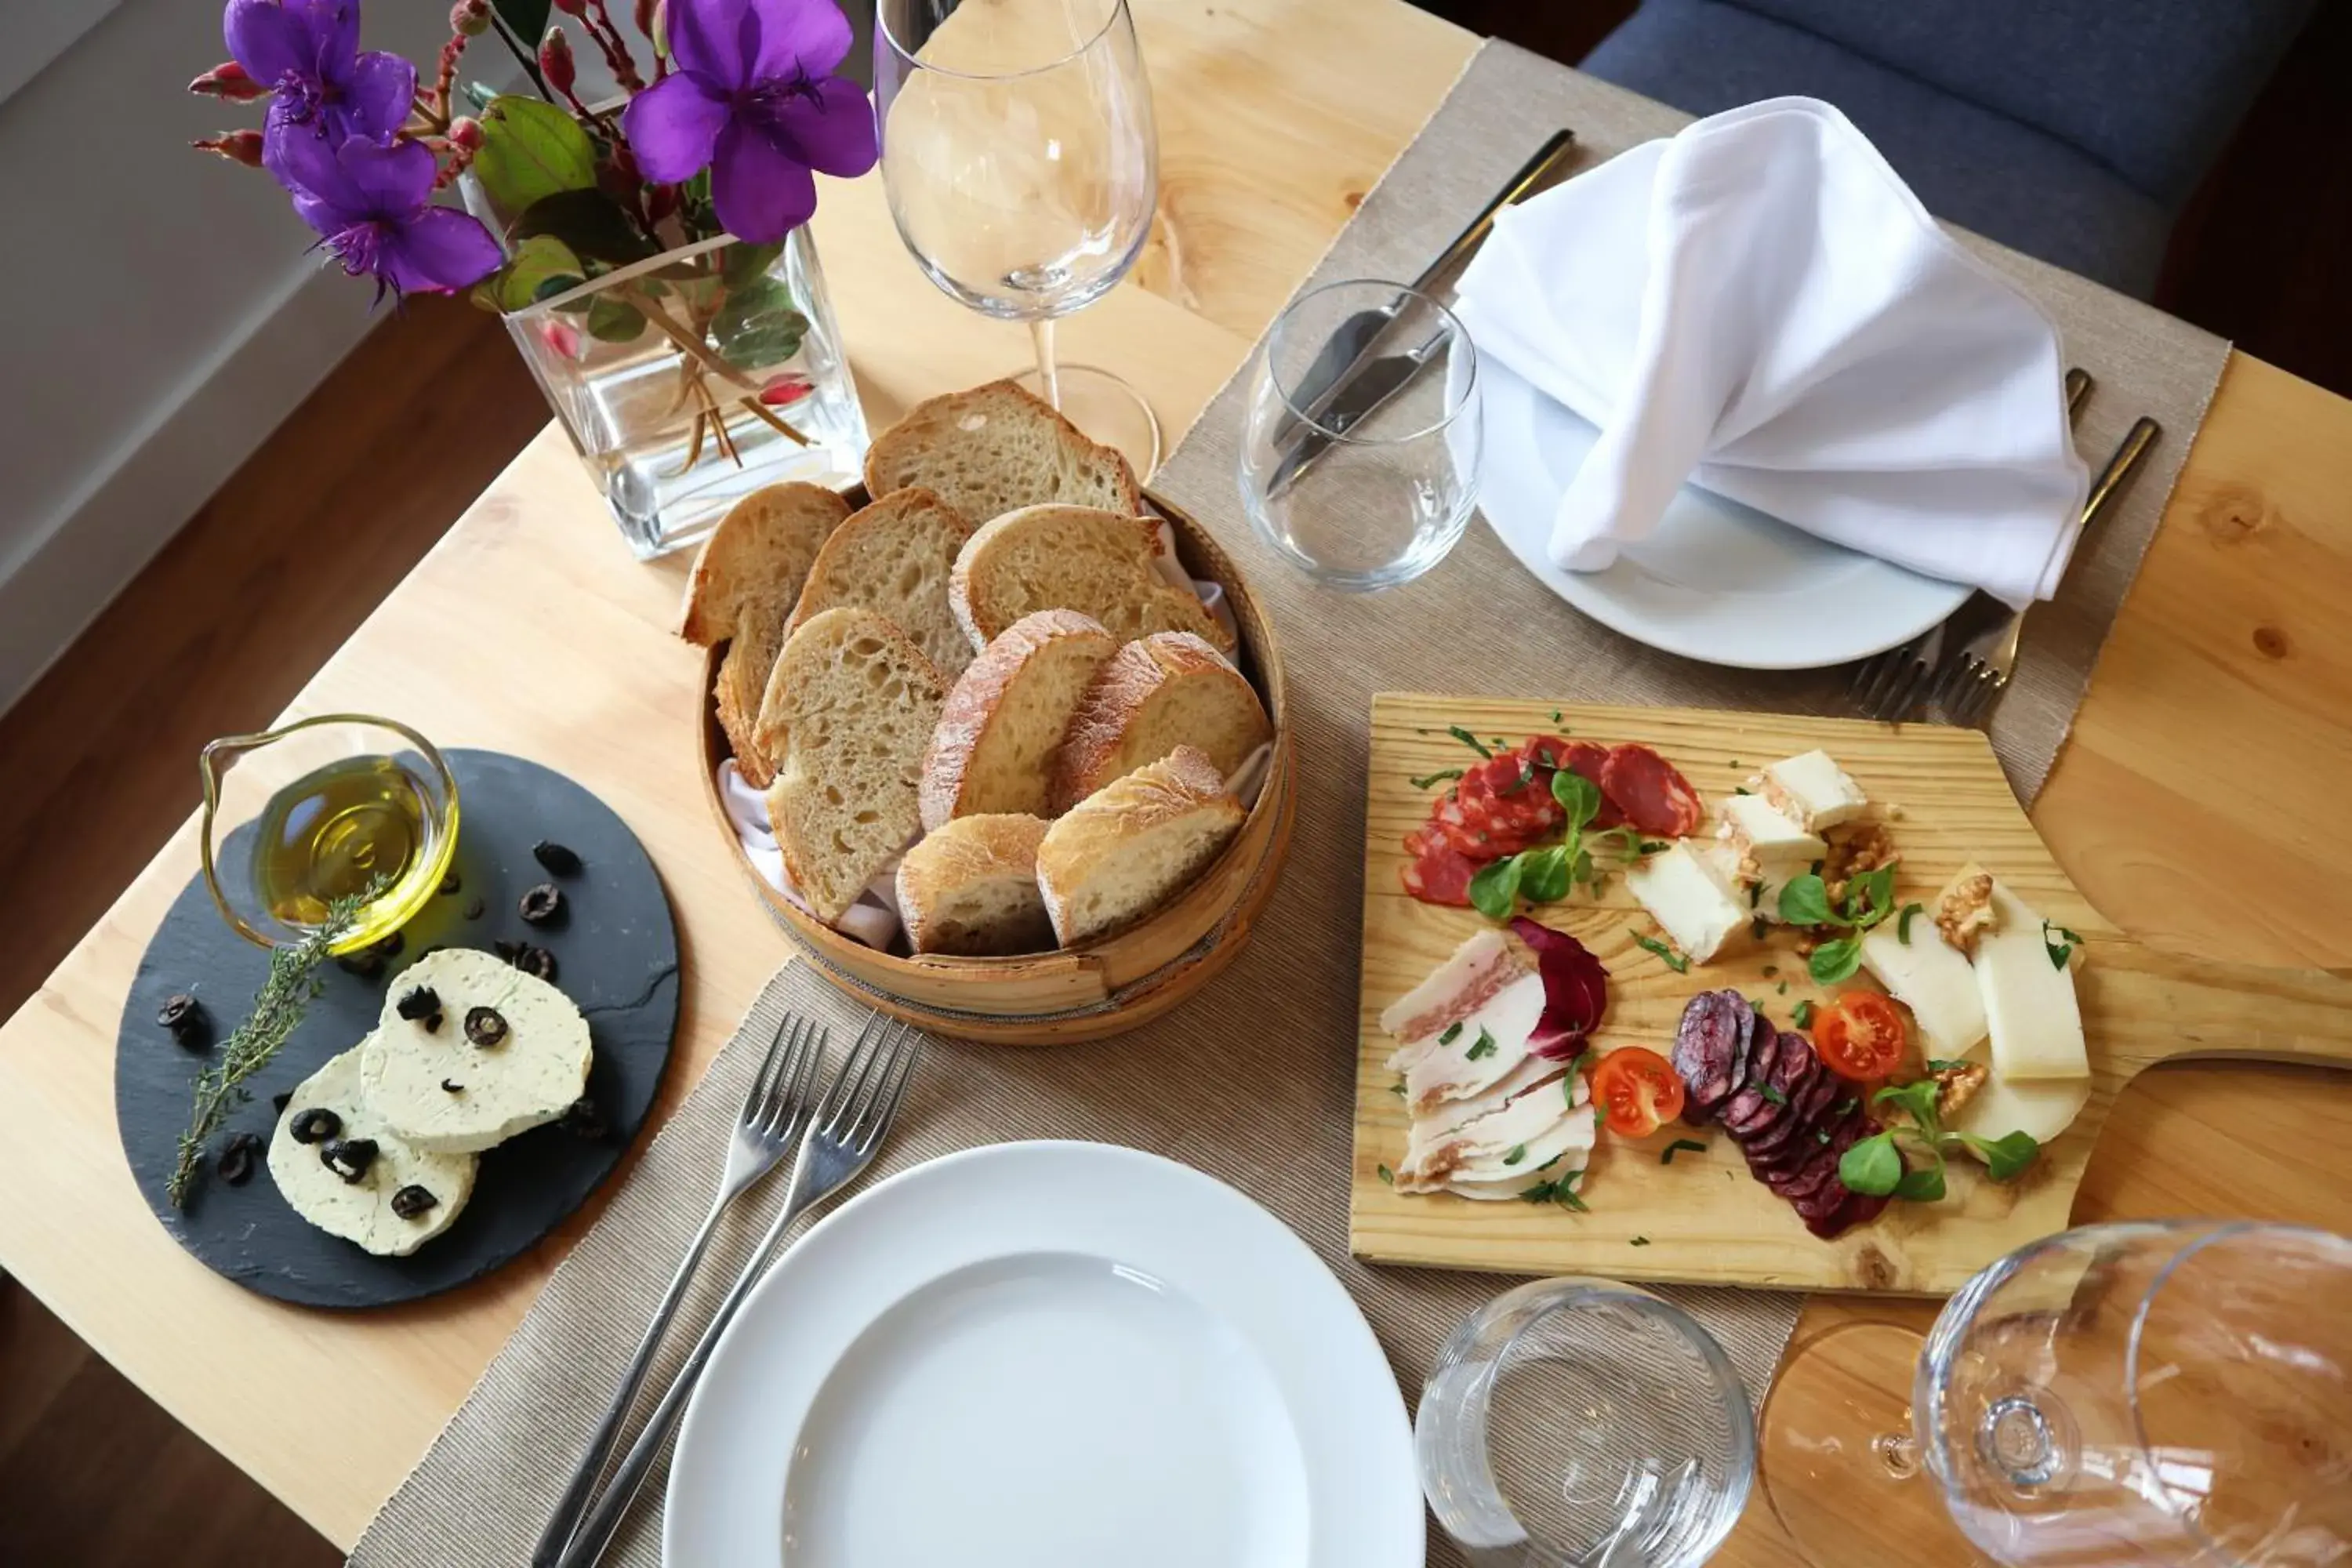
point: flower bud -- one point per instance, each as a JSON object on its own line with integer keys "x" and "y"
{"x": 466, "y": 132}
{"x": 236, "y": 147}
{"x": 470, "y": 18}
{"x": 228, "y": 80}
{"x": 555, "y": 61}
{"x": 783, "y": 390}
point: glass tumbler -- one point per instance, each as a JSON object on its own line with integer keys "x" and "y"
{"x": 1583, "y": 1421}
{"x": 1359, "y": 457}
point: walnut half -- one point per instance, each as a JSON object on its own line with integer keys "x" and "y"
{"x": 1966, "y": 912}
{"x": 1957, "y": 1085}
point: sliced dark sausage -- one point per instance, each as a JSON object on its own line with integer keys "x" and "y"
{"x": 1707, "y": 1051}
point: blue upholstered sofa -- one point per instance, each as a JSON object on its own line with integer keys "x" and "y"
{"x": 2073, "y": 129}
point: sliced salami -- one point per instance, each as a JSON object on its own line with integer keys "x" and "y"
{"x": 1652, "y": 792}
{"x": 1438, "y": 874}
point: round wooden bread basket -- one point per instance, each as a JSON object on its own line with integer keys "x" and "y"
{"x": 1103, "y": 987}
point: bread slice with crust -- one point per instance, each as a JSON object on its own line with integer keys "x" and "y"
{"x": 996, "y": 448}
{"x": 1125, "y": 851}
{"x": 893, "y": 557}
{"x": 746, "y": 579}
{"x": 1099, "y": 563}
{"x": 850, "y": 708}
{"x": 971, "y": 888}
{"x": 1004, "y": 722}
{"x": 1157, "y": 693}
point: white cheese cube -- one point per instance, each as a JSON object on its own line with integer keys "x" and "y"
{"x": 361, "y": 1210}
{"x": 2041, "y": 1108}
{"x": 1927, "y": 975}
{"x": 1760, "y": 831}
{"x": 1690, "y": 897}
{"x": 1763, "y": 894}
{"x": 530, "y": 1077}
{"x": 1811, "y": 788}
{"x": 2030, "y": 1007}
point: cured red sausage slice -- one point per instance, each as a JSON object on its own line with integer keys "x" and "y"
{"x": 1652, "y": 792}
{"x": 1440, "y": 876}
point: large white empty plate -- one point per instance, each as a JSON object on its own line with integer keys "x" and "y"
{"x": 1058, "y": 1355}
{"x": 1715, "y": 581}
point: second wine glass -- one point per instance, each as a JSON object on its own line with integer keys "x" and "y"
{"x": 1022, "y": 165}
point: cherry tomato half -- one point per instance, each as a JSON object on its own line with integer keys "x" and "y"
{"x": 1638, "y": 1089}
{"x": 1860, "y": 1038}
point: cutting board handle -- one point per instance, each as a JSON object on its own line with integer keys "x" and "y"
{"x": 2162, "y": 1006}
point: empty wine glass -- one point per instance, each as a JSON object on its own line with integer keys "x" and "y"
{"x": 2175, "y": 1393}
{"x": 1022, "y": 165}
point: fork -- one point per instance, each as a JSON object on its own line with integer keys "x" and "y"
{"x": 1978, "y": 673}
{"x": 1889, "y": 684}
{"x": 846, "y": 1130}
{"x": 773, "y": 1113}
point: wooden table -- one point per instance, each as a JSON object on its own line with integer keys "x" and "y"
{"x": 2196, "y": 803}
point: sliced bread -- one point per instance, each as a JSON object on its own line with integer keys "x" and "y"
{"x": 1003, "y": 723}
{"x": 848, "y": 711}
{"x": 746, "y": 580}
{"x": 971, "y": 888}
{"x": 1128, "y": 850}
{"x": 893, "y": 557}
{"x": 1157, "y": 693}
{"x": 1099, "y": 563}
{"x": 996, "y": 448}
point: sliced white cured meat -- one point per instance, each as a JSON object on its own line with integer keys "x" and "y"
{"x": 1539, "y": 1125}
{"x": 2031, "y": 1011}
{"x": 1471, "y": 976}
{"x": 1516, "y": 1189}
{"x": 1447, "y": 1115}
{"x": 361, "y": 1210}
{"x": 1478, "y": 1050}
{"x": 1759, "y": 831}
{"x": 1929, "y": 976}
{"x": 1690, "y": 898}
{"x": 2039, "y": 1108}
{"x": 530, "y": 1077}
{"x": 1811, "y": 788}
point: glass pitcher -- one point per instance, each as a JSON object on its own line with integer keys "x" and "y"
{"x": 340, "y": 806}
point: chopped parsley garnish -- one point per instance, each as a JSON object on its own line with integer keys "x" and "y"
{"x": 1804, "y": 1014}
{"x": 1555, "y": 715}
{"x": 1469, "y": 740}
{"x": 1453, "y": 1033}
{"x": 1667, "y": 1156}
{"x": 1756, "y": 926}
{"x": 1742, "y": 789}
{"x": 1774, "y": 1095}
{"x": 1485, "y": 1046}
{"x": 1771, "y": 970}
{"x": 1820, "y": 1135}
{"x": 1397, "y": 1089}
{"x": 1638, "y": 1241}
{"x": 1386, "y": 1174}
{"x": 1561, "y": 1192}
{"x": 1652, "y": 846}
{"x": 1844, "y": 1107}
{"x": 1440, "y": 776}
{"x": 1667, "y": 955}
{"x": 1903, "y": 922}
{"x": 2060, "y": 952}
{"x": 1518, "y": 1152}
{"x": 1782, "y": 989}
{"x": 1944, "y": 1064}
{"x": 1527, "y": 775}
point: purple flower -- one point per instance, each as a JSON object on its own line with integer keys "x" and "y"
{"x": 306, "y": 52}
{"x": 371, "y": 205}
{"x": 753, "y": 98}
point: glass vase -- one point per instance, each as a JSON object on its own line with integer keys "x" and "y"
{"x": 690, "y": 379}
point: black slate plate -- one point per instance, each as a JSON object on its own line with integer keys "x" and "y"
{"x": 616, "y": 956}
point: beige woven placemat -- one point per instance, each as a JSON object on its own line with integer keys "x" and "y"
{"x": 1251, "y": 1081}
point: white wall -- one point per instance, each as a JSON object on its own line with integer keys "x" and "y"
{"x": 160, "y": 311}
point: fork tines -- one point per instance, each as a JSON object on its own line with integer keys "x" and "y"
{"x": 862, "y": 1098}
{"x": 779, "y": 1090}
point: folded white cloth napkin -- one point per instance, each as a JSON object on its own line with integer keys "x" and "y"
{"x": 1759, "y": 304}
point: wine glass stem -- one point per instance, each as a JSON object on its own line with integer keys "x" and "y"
{"x": 1040, "y": 334}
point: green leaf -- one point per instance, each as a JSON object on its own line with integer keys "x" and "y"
{"x": 1677, "y": 1146}
{"x": 1917, "y": 1099}
{"x": 1386, "y": 1174}
{"x": 609, "y": 321}
{"x": 1903, "y": 925}
{"x": 591, "y": 223}
{"x": 756, "y": 326}
{"x": 1771, "y": 1094}
{"x": 540, "y": 268}
{"x": 526, "y": 19}
{"x": 1440, "y": 776}
{"x": 1482, "y": 1046}
{"x": 1871, "y": 899}
{"x": 1873, "y": 1167}
{"x": 1543, "y": 875}
{"x": 1666, "y": 955}
{"x": 1518, "y": 1152}
{"x": 1805, "y": 902}
{"x": 1802, "y": 1015}
{"x": 1576, "y": 796}
{"x": 739, "y": 263}
{"x": 531, "y": 150}
{"x": 1925, "y": 1186}
{"x": 1453, "y": 1033}
{"x": 1495, "y": 891}
{"x": 2060, "y": 952}
{"x": 2006, "y": 1157}
{"x": 1469, "y": 740}
{"x": 1835, "y": 962}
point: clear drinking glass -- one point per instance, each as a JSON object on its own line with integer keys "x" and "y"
{"x": 1022, "y": 165}
{"x": 1581, "y": 1421}
{"x": 1359, "y": 454}
{"x": 2175, "y": 1392}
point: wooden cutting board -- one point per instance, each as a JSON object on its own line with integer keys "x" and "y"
{"x": 1703, "y": 1219}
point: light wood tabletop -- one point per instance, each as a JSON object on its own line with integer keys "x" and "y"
{"x": 2194, "y": 804}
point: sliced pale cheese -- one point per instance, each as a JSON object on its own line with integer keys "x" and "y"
{"x": 1757, "y": 830}
{"x": 360, "y": 1212}
{"x": 1689, "y": 897}
{"x": 530, "y": 1078}
{"x": 1478, "y": 1049}
{"x": 1934, "y": 980}
{"x": 1811, "y": 788}
{"x": 1763, "y": 894}
{"x": 2030, "y": 1007}
{"x": 2039, "y": 1108}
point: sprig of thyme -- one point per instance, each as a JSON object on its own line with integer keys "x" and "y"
{"x": 278, "y": 1010}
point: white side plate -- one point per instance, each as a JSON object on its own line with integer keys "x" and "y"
{"x": 1717, "y": 581}
{"x": 1055, "y": 1355}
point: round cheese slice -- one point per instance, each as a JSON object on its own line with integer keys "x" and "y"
{"x": 360, "y": 1212}
{"x": 439, "y": 1091}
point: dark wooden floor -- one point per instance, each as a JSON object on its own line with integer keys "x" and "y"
{"x": 219, "y": 632}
